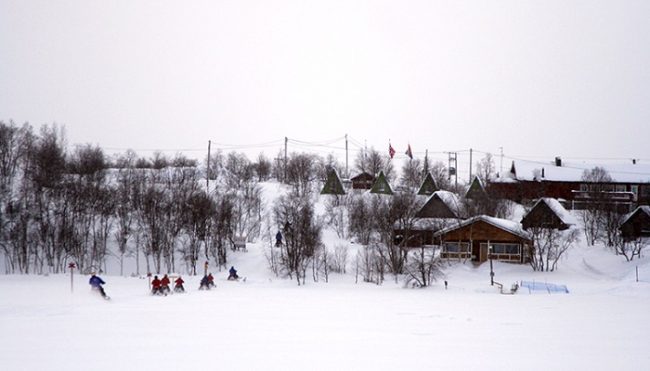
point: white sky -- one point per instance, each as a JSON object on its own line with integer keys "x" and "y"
{"x": 538, "y": 78}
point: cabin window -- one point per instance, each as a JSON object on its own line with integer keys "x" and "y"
{"x": 506, "y": 248}
{"x": 455, "y": 247}
{"x": 621, "y": 188}
{"x": 645, "y": 191}
{"x": 634, "y": 189}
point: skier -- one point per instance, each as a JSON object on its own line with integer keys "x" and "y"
{"x": 278, "y": 239}
{"x": 233, "y": 274}
{"x": 206, "y": 282}
{"x": 96, "y": 284}
{"x": 155, "y": 286}
{"x": 178, "y": 285}
{"x": 164, "y": 285}
{"x": 210, "y": 280}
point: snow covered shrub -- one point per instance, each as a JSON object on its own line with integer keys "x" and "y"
{"x": 549, "y": 245}
{"x": 423, "y": 267}
{"x": 339, "y": 259}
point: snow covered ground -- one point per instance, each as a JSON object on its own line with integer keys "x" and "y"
{"x": 267, "y": 323}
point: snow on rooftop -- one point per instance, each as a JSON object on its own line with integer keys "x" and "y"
{"x": 507, "y": 225}
{"x": 573, "y": 171}
{"x": 565, "y": 216}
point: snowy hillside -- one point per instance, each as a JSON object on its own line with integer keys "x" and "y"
{"x": 270, "y": 323}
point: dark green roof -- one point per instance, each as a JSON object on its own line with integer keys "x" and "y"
{"x": 381, "y": 185}
{"x": 333, "y": 185}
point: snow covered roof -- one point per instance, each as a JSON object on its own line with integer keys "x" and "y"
{"x": 572, "y": 171}
{"x": 642, "y": 208}
{"x": 565, "y": 216}
{"x": 507, "y": 225}
{"x": 434, "y": 224}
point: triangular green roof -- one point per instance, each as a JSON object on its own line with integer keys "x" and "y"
{"x": 476, "y": 189}
{"x": 333, "y": 185}
{"x": 428, "y": 186}
{"x": 381, "y": 185}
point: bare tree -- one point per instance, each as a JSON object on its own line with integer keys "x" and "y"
{"x": 302, "y": 234}
{"x": 372, "y": 162}
{"x": 597, "y": 180}
{"x": 301, "y": 173}
{"x": 412, "y": 173}
{"x": 423, "y": 267}
{"x": 549, "y": 245}
{"x": 485, "y": 169}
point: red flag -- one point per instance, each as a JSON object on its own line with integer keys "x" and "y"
{"x": 408, "y": 152}
{"x": 391, "y": 150}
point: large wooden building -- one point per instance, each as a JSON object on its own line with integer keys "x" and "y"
{"x": 482, "y": 237}
{"x": 526, "y": 181}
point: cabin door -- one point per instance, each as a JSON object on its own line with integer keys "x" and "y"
{"x": 484, "y": 252}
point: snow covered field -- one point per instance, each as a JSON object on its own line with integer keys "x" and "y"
{"x": 272, "y": 324}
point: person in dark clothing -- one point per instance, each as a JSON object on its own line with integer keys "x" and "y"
{"x": 164, "y": 285}
{"x": 155, "y": 286}
{"x": 233, "y": 274}
{"x": 205, "y": 283}
{"x": 278, "y": 239}
{"x": 96, "y": 284}
{"x": 178, "y": 285}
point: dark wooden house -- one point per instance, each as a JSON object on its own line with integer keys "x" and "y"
{"x": 363, "y": 181}
{"x": 441, "y": 210}
{"x": 441, "y": 204}
{"x": 482, "y": 237}
{"x": 428, "y": 186}
{"x": 548, "y": 213}
{"x": 381, "y": 185}
{"x": 636, "y": 224}
{"x": 476, "y": 190}
{"x": 333, "y": 185}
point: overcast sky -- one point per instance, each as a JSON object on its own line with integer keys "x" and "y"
{"x": 537, "y": 78}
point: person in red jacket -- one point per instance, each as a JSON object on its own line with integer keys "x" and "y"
{"x": 178, "y": 285}
{"x": 155, "y": 286}
{"x": 210, "y": 280}
{"x": 164, "y": 285}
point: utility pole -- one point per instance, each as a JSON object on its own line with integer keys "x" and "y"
{"x": 470, "y": 165}
{"x": 207, "y": 173}
{"x": 453, "y": 166}
{"x": 347, "y": 174}
{"x": 286, "y": 141}
{"x": 501, "y": 165}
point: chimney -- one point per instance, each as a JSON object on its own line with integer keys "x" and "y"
{"x": 558, "y": 161}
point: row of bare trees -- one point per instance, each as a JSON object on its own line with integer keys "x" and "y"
{"x": 58, "y": 207}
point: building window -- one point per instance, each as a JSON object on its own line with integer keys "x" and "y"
{"x": 645, "y": 190}
{"x": 621, "y": 188}
{"x": 455, "y": 247}
{"x": 505, "y": 248}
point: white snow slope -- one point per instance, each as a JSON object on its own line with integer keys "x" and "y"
{"x": 272, "y": 324}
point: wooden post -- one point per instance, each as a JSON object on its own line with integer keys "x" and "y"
{"x": 72, "y": 266}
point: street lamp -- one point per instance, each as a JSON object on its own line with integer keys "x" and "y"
{"x": 491, "y": 267}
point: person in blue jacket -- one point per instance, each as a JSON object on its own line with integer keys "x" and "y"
{"x": 96, "y": 284}
{"x": 233, "y": 274}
